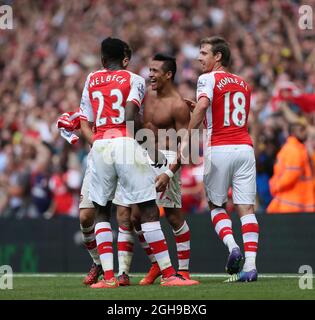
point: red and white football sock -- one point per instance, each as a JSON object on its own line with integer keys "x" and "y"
{"x": 223, "y": 227}
{"x": 125, "y": 244}
{"x": 104, "y": 240}
{"x": 145, "y": 246}
{"x": 250, "y": 231}
{"x": 182, "y": 238}
{"x": 154, "y": 236}
{"x": 90, "y": 243}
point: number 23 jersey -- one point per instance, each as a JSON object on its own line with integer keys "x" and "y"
{"x": 104, "y": 98}
{"x": 229, "y": 104}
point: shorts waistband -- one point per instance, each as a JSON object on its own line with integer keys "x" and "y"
{"x": 232, "y": 147}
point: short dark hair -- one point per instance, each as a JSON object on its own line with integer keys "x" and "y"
{"x": 127, "y": 50}
{"x": 114, "y": 49}
{"x": 219, "y": 44}
{"x": 169, "y": 63}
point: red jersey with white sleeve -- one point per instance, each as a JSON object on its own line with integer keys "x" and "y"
{"x": 104, "y": 98}
{"x": 229, "y": 103}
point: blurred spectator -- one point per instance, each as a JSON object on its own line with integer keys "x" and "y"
{"x": 292, "y": 184}
{"x": 311, "y": 150}
{"x": 64, "y": 186}
{"x": 193, "y": 193}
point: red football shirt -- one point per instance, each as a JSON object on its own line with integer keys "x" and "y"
{"x": 104, "y": 98}
{"x": 229, "y": 103}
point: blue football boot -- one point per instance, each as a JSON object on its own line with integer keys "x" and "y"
{"x": 244, "y": 276}
{"x": 235, "y": 261}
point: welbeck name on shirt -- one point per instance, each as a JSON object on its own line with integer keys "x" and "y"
{"x": 227, "y": 80}
{"x": 103, "y": 79}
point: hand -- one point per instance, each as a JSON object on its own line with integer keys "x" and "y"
{"x": 161, "y": 182}
{"x": 159, "y": 160}
{"x": 69, "y": 121}
{"x": 191, "y": 104}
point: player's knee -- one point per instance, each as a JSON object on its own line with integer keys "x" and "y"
{"x": 244, "y": 209}
{"x": 136, "y": 220}
{"x": 124, "y": 217}
{"x": 87, "y": 217}
{"x": 174, "y": 217}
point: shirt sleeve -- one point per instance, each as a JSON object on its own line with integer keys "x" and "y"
{"x": 137, "y": 90}
{"x": 86, "y": 110}
{"x": 205, "y": 86}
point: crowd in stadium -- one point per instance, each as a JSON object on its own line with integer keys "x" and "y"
{"x": 45, "y": 59}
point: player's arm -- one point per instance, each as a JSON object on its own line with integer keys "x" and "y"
{"x": 132, "y": 116}
{"x": 134, "y": 102}
{"x": 86, "y": 130}
{"x": 182, "y": 120}
{"x": 195, "y": 122}
{"x": 132, "y": 111}
{"x": 198, "y": 114}
{"x": 86, "y": 114}
{"x": 204, "y": 97}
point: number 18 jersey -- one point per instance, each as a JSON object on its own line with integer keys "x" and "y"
{"x": 229, "y": 103}
{"x": 104, "y": 98}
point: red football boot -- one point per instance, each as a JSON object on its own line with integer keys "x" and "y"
{"x": 92, "y": 277}
{"x": 185, "y": 274}
{"x": 124, "y": 280}
{"x": 152, "y": 275}
{"x": 177, "y": 281}
{"x": 106, "y": 284}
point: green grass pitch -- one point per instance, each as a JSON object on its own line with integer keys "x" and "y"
{"x": 69, "y": 287}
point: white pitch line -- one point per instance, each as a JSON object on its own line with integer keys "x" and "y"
{"x": 199, "y": 275}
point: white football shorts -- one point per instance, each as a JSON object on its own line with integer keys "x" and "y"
{"x": 121, "y": 160}
{"x": 171, "y": 198}
{"x": 85, "y": 202}
{"x": 230, "y": 166}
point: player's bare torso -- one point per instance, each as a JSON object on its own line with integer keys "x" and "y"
{"x": 159, "y": 115}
